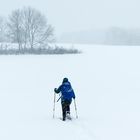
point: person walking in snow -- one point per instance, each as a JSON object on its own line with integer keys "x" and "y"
{"x": 67, "y": 93}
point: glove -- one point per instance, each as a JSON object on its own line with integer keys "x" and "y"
{"x": 55, "y": 90}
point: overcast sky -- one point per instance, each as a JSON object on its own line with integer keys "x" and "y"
{"x": 75, "y": 15}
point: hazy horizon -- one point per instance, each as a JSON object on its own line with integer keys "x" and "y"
{"x": 71, "y": 16}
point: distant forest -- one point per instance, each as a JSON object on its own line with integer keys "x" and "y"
{"x": 110, "y": 36}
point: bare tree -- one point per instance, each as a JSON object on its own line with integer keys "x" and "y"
{"x": 29, "y": 28}
{"x": 2, "y": 29}
{"x": 15, "y": 27}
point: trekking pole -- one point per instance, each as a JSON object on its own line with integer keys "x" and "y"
{"x": 59, "y": 98}
{"x": 75, "y": 109}
{"x": 54, "y": 105}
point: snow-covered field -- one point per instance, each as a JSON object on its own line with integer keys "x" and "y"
{"x": 106, "y": 80}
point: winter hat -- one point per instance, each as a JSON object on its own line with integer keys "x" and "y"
{"x": 65, "y": 80}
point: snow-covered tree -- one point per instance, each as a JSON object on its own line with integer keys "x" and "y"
{"x": 2, "y": 29}
{"x": 29, "y": 28}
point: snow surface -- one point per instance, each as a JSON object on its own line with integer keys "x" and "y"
{"x": 106, "y": 80}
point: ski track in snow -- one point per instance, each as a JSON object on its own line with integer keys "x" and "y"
{"x": 77, "y": 129}
{"x": 83, "y": 130}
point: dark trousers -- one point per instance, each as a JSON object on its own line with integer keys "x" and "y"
{"x": 65, "y": 108}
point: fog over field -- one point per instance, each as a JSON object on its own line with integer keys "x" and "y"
{"x": 82, "y": 15}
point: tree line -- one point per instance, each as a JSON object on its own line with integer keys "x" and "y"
{"x": 29, "y": 29}
{"x": 107, "y": 36}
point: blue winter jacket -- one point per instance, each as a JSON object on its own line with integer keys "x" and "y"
{"x": 66, "y": 90}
